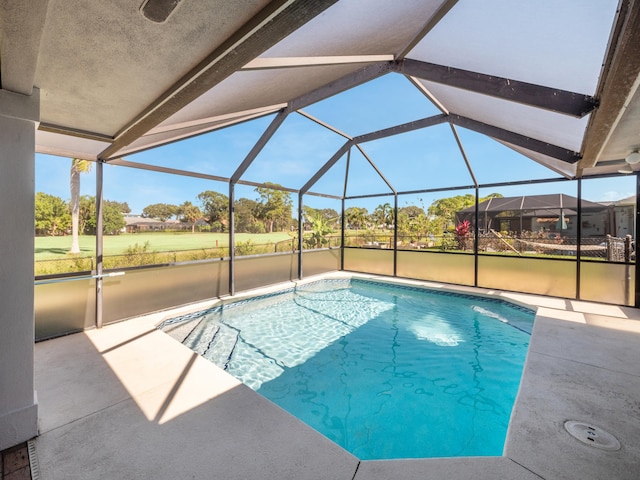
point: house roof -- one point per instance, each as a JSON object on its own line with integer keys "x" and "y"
{"x": 139, "y": 220}
{"x": 555, "y": 82}
{"x": 626, "y": 201}
{"x": 552, "y": 204}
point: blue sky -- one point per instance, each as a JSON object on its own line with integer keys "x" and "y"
{"x": 422, "y": 159}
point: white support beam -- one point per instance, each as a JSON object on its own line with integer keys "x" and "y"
{"x": 224, "y": 120}
{"x": 296, "y": 62}
{"x": 18, "y": 408}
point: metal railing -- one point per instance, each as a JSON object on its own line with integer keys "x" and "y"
{"x": 143, "y": 257}
{"x": 547, "y": 244}
{"x": 45, "y": 281}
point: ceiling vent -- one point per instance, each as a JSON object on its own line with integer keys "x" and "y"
{"x": 158, "y": 10}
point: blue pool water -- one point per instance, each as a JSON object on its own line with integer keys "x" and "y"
{"x": 386, "y": 371}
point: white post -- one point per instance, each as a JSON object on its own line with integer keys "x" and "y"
{"x": 19, "y": 115}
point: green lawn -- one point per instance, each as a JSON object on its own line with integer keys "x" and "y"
{"x": 48, "y": 248}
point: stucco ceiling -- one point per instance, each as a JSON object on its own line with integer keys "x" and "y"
{"x": 556, "y": 81}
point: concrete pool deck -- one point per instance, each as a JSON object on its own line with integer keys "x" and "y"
{"x": 128, "y": 401}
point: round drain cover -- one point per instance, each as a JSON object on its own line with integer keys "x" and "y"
{"x": 592, "y": 435}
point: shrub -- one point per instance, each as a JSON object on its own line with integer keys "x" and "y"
{"x": 245, "y": 248}
{"x": 448, "y": 242}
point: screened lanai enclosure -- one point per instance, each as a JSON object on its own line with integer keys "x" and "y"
{"x": 203, "y": 148}
{"x": 376, "y": 134}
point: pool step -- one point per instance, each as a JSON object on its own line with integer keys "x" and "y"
{"x": 182, "y": 330}
{"x": 201, "y": 336}
{"x": 221, "y": 346}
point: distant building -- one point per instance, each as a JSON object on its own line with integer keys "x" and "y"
{"x": 623, "y": 218}
{"x": 542, "y": 213}
{"x": 138, "y": 223}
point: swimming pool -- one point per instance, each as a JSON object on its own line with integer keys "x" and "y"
{"x": 384, "y": 370}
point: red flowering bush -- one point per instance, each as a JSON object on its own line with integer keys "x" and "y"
{"x": 463, "y": 229}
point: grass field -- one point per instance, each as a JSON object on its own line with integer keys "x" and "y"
{"x": 138, "y": 249}
{"x": 50, "y": 248}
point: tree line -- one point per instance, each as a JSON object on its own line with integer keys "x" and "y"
{"x": 413, "y": 220}
{"x": 53, "y": 215}
{"x": 271, "y": 211}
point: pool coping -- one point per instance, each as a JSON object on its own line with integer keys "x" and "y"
{"x": 559, "y": 383}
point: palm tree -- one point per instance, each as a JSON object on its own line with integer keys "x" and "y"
{"x": 356, "y": 217}
{"x": 77, "y": 167}
{"x": 190, "y": 213}
{"x": 383, "y": 215}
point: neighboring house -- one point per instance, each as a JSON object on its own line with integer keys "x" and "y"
{"x": 138, "y": 223}
{"x": 541, "y": 213}
{"x": 624, "y": 217}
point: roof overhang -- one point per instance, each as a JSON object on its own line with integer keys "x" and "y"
{"x": 113, "y": 82}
